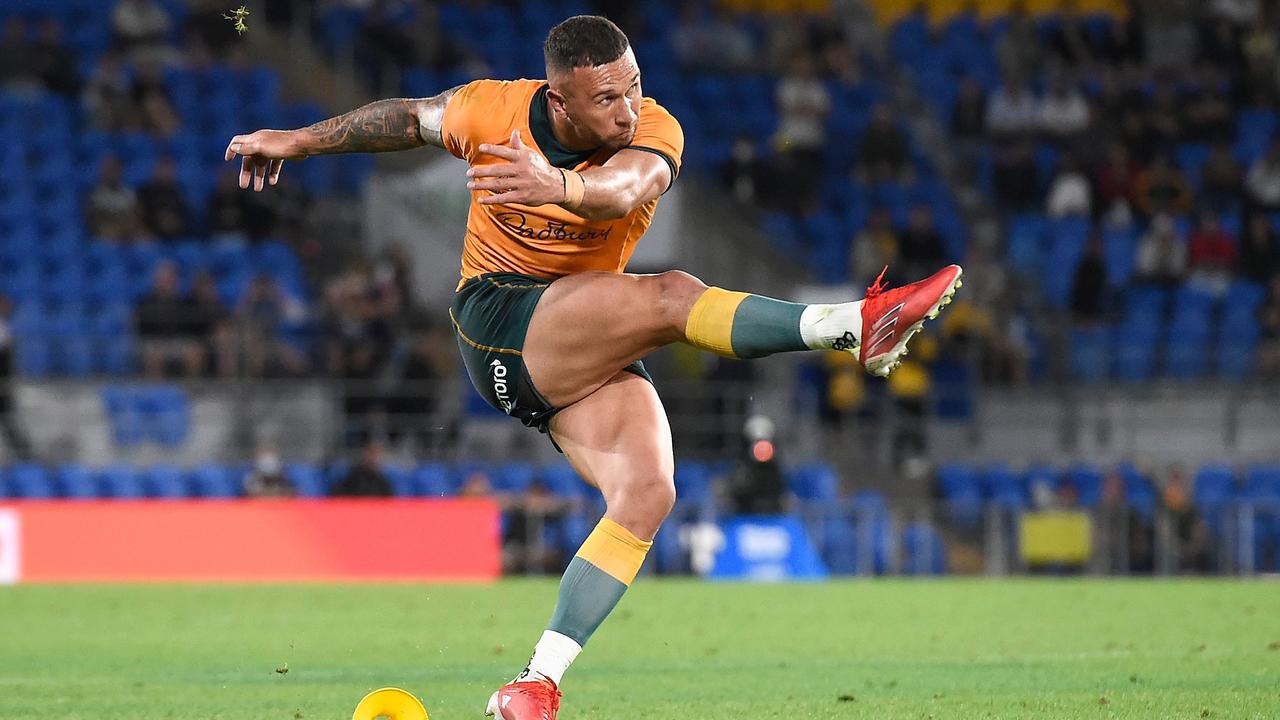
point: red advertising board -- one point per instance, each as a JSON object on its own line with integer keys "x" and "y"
{"x": 249, "y": 540}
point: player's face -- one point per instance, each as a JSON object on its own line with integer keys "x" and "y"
{"x": 601, "y": 103}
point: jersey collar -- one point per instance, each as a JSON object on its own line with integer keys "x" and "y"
{"x": 540, "y": 127}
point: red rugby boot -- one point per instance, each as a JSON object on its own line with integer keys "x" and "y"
{"x": 525, "y": 700}
{"x": 891, "y": 317}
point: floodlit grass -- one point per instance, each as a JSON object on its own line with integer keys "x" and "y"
{"x": 674, "y": 650}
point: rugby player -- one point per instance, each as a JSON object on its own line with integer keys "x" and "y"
{"x": 565, "y": 175}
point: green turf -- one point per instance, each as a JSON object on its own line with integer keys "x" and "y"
{"x": 674, "y": 650}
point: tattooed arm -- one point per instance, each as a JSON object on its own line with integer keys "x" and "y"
{"x": 382, "y": 126}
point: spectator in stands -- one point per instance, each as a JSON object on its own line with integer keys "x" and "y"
{"x": 366, "y": 478}
{"x": 1161, "y": 189}
{"x": 211, "y": 324}
{"x": 1064, "y": 112}
{"x": 1221, "y": 178}
{"x": 1011, "y": 110}
{"x": 1170, "y": 37}
{"x": 1259, "y": 249}
{"x": 357, "y": 337}
{"x": 1263, "y": 181}
{"x": 529, "y": 524}
{"x": 106, "y": 96}
{"x": 710, "y": 39}
{"x": 164, "y": 206}
{"x": 18, "y": 69}
{"x": 1015, "y": 176}
{"x": 153, "y": 110}
{"x": 803, "y": 106}
{"x": 230, "y": 209}
{"x": 1208, "y": 114}
{"x": 1089, "y": 288}
{"x": 969, "y": 116}
{"x": 53, "y": 62}
{"x": 1069, "y": 192}
{"x": 744, "y": 175}
{"x": 875, "y": 247}
{"x": 1164, "y": 123}
{"x": 1269, "y": 322}
{"x": 112, "y": 212}
{"x": 163, "y": 319}
{"x": 1020, "y": 49}
{"x": 1126, "y": 537}
{"x": 386, "y": 37}
{"x": 263, "y": 310}
{"x": 1069, "y": 40}
{"x": 920, "y": 246}
{"x": 414, "y": 402}
{"x": 883, "y": 155}
{"x": 141, "y": 28}
{"x": 756, "y": 486}
{"x": 1116, "y": 182}
{"x": 1211, "y": 256}
{"x": 14, "y": 435}
{"x": 1162, "y": 255}
{"x": 1189, "y": 530}
{"x": 267, "y": 478}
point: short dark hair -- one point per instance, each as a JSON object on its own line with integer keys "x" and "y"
{"x": 584, "y": 41}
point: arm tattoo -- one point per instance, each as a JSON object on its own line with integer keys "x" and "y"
{"x": 381, "y": 126}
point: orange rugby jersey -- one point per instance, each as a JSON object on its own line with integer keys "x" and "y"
{"x": 546, "y": 241}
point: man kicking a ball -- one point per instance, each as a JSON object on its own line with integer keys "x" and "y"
{"x": 565, "y": 176}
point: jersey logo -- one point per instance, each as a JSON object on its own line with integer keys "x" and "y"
{"x": 500, "y": 388}
{"x": 519, "y": 223}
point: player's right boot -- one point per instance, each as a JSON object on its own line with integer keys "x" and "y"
{"x": 891, "y": 317}
{"x": 525, "y": 700}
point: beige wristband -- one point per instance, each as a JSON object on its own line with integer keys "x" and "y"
{"x": 574, "y": 189}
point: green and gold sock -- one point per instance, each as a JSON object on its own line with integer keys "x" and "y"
{"x": 741, "y": 325}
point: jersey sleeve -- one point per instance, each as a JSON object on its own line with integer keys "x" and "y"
{"x": 659, "y": 132}
{"x": 463, "y": 117}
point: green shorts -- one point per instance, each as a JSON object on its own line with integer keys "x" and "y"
{"x": 490, "y": 316}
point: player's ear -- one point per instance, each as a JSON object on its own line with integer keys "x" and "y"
{"x": 555, "y": 101}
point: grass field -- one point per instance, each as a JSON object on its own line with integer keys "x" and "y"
{"x": 674, "y": 650}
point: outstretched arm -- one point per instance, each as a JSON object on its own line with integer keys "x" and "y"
{"x": 381, "y": 126}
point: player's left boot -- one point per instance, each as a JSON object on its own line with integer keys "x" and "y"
{"x": 891, "y": 317}
{"x": 525, "y": 700}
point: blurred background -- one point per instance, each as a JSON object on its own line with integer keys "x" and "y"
{"x": 1101, "y": 398}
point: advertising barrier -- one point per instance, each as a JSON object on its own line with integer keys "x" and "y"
{"x": 249, "y": 540}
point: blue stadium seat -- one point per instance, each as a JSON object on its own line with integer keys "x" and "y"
{"x": 923, "y": 550}
{"x": 76, "y": 481}
{"x": 693, "y": 482}
{"x": 1087, "y": 480}
{"x": 1139, "y": 492}
{"x": 121, "y": 481}
{"x": 166, "y": 413}
{"x": 166, "y": 482}
{"x": 214, "y": 480}
{"x": 961, "y": 492}
{"x": 814, "y": 482}
{"x": 433, "y": 480}
{"x": 400, "y": 478}
{"x": 561, "y": 479}
{"x": 124, "y": 415}
{"x": 513, "y": 477}
{"x": 307, "y": 479}
{"x": 31, "y": 482}
{"x": 1091, "y": 353}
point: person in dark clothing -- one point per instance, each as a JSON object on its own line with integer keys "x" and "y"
{"x": 163, "y": 320}
{"x": 1125, "y": 536}
{"x": 52, "y": 61}
{"x": 1088, "y": 290}
{"x": 14, "y": 437}
{"x": 756, "y": 486}
{"x": 528, "y": 521}
{"x": 164, "y": 207}
{"x": 366, "y": 478}
{"x": 412, "y": 406}
{"x": 920, "y": 246}
{"x": 1259, "y": 249}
